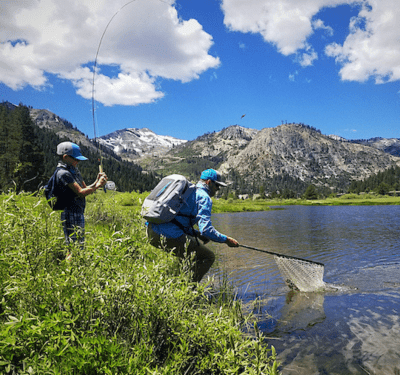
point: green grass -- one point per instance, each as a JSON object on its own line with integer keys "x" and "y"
{"x": 120, "y": 307}
{"x": 235, "y": 205}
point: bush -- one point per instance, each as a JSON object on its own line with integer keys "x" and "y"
{"x": 310, "y": 193}
{"x": 120, "y": 307}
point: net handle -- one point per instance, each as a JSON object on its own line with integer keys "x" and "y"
{"x": 280, "y": 255}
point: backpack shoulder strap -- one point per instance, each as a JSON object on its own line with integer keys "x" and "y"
{"x": 188, "y": 230}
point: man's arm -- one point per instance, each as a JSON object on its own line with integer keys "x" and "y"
{"x": 207, "y": 230}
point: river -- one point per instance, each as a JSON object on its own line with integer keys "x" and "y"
{"x": 353, "y": 329}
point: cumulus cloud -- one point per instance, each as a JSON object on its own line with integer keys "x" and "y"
{"x": 285, "y": 23}
{"x": 282, "y": 23}
{"x": 372, "y": 48}
{"x": 145, "y": 41}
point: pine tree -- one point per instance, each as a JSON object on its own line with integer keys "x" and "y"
{"x": 5, "y": 163}
{"x": 10, "y": 134}
{"x": 311, "y": 192}
{"x": 30, "y": 157}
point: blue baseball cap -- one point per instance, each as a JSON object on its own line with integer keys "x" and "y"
{"x": 71, "y": 149}
{"x": 213, "y": 175}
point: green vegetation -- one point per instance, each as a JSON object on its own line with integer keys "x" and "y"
{"x": 119, "y": 307}
{"x": 380, "y": 183}
{"x": 28, "y": 156}
{"x": 311, "y": 193}
{"x": 20, "y": 152}
{"x": 236, "y": 205}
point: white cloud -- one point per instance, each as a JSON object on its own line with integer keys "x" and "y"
{"x": 287, "y": 24}
{"x": 372, "y": 48}
{"x": 146, "y": 40}
{"x": 319, "y": 24}
{"x": 307, "y": 58}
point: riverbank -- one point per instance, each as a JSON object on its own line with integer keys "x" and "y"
{"x": 119, "y": 307}
{"x": 237, "y": 205}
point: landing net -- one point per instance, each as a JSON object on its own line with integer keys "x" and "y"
{"x": 302, "y": 275}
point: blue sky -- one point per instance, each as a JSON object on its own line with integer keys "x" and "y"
{"x": 184, "y": 68}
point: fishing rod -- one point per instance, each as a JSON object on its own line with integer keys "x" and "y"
{"x": 93, "y": 83}
{"x": 94, "y": 78}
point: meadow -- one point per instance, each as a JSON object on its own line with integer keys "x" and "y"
{"x": 119, "y": 307}
{"x": 236, "y": 205}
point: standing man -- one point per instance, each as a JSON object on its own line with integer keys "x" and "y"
{"x": 70, "y": 182}
{"x": 197, "y": 210}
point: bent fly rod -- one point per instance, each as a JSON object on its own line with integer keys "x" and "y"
{"x": 93, "y": 84}
{"x": 94, "y": 78}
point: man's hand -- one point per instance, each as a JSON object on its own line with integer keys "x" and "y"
{"x": 231, "y": 242}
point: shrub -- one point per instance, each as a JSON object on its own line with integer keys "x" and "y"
{"x": 120, "y": 306}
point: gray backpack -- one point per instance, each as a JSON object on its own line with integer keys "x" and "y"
{"x": 166, "y": 199}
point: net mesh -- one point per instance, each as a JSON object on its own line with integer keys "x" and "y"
{"x": 302, "y": 275}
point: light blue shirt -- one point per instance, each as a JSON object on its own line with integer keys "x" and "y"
{"x": 197, "y": 210}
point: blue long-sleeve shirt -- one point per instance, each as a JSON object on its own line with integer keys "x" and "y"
{"x": 197, "y": 210}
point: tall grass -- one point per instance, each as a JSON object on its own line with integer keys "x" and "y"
{"x": 119, "y": 307}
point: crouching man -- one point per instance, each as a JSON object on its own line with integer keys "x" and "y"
{"x": 197, "y": 210}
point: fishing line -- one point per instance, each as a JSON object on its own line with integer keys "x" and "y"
{"x": 93, "y": 84}
{"x": 94, "y": 77}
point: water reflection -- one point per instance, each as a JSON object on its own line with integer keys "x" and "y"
{"x": 300, "y": 311}
{"x": 354, "y": 327}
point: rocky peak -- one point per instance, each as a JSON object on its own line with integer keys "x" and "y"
{"x": 389, "y": 145}
{"x": 303, "y": 152}
{"x": 238, "y": 132}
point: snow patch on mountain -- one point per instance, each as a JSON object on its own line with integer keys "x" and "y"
{"x": 134, "y": 142}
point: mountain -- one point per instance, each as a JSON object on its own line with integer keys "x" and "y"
{"x": 305, "y": 154}
{"x": 43, "y": 129}
{"x": 222, "y": 144}
{"x": 289, "y": 156}
{"x": 132, "y": 143}
{"x": 45, "y": 119}
{"x": 206, "y": 151}
{"x": 389, "y": 145}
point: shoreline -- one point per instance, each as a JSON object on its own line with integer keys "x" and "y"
{"x": 236, "y": 205}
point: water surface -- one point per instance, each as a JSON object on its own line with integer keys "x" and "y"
{"x": 352, "y": 330}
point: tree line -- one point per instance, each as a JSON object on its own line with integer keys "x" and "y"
{"x": 28, "y": 157}
{"x": 380, "y": 183}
